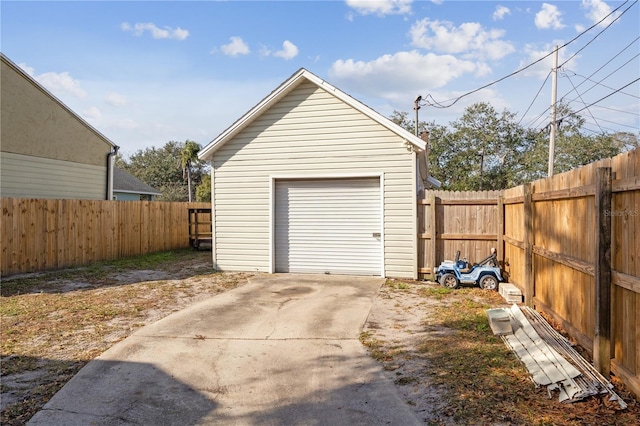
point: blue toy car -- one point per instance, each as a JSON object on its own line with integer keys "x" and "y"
{"x": 485, "y": 274}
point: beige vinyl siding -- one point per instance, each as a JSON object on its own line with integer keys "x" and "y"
{"x": 308, "y": 133}
{"x": 25, "y": 176}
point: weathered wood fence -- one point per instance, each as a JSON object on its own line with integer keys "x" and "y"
{"x": 571, "y": 243}
{"x": 42, "y": 234}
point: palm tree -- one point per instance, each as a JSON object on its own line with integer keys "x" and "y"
{"x": 189, "y": 155}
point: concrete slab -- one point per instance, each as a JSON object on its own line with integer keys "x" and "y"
{"x": 282, "y": 349}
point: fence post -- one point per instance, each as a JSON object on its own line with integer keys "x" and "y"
{"x": 529, "y": 287}
{"x": 433, "y": 223}
{"x": 602, "y": 335}
{"x": 500, "y": 231}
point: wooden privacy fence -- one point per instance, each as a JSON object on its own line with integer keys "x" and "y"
{"x": 571, "y": 243}
{"x": 51, "y": 234}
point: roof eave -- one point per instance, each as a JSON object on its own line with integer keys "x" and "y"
{"x": 126, "y": 191}
{"x": 247, "y": 118}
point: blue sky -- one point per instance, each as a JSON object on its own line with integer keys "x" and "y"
{"x": 144, "y": 73}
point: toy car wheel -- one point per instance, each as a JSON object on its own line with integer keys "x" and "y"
{"x": 489, "y": 282}
{"x": 449, "y": 281}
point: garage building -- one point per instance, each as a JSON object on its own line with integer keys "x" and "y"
{"x": 311, "y": 180}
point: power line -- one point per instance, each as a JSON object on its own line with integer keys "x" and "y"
{"x": 607, "y": 76}
{"x": 601, "y": 99}
{"x": 437, "y": 104}
{"x": 535, "y": 97}
{"x": 596, "y": 36}
{"x": 606, "y": 63}
{"x": 616, "y": 110}
{"x": 584, "y": 103}
{"x": 613, "y": 122}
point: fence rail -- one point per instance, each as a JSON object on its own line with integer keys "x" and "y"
{"x": 42, "y": 234}
{"x": 571, "y": 243}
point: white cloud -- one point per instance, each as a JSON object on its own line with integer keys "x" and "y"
{"x": 470, "y": 38}
{"x": 116, "y": 99}
{"x": 60, "y": 83}
{"x": 156, "y": 32}
{"x": 598, "y": 10}
{"x": 501, "y": 12}
{"x": 26, "y": 68}
{"x": 92, "y": 114}
{"x": 542, "y": 69}
{"x": 408, "y": 70}
{"x": 381, "y": 7}
{"x": 236, "y": 47}
{"x": 289, "y": 51}
{"x": 549, "y": 17}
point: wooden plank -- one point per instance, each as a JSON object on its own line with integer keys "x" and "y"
{"x": 485, "y": 237}
{"x": 514, "y": 200}
{"x": 468, "y": 202}
{"x": 513, "y": 242}
{"x": 51, "y": 254}
{"x": 626, "y": 281}
{"x": 431, "y": 220}
{"x": 626, "y": 184}
{"x": 582, "y": 339}
{"x": 631, "y": 380}
{"x": 529, "y": 285}
{"x": 602, "y": 339}
{"x": 565, "y": 260}
{"x": 563, "y": 194}
{"x": 500, "y": 231}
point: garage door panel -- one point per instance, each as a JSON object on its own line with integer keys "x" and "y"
{"x": 328, "y": 226}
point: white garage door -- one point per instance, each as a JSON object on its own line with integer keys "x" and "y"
{"x": 328, "y": 226}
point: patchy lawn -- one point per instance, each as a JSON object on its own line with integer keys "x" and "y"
{"x": 54, "y": 323}
{"x": 437, "y": 346}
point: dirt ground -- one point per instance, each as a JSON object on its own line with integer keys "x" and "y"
{"x": 54, "y": 323}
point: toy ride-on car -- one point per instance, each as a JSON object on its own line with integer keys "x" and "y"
{"x": 485, "y": 274}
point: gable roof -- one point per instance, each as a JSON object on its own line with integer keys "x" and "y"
{"x": 285, "y": 88}
{"x": 47, "y": 93}
{"x": 124, "y": 182}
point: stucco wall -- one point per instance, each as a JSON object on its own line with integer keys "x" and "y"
{"x": 34, "y": 123}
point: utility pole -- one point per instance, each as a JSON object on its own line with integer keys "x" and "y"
{"x": 554, "y": 95}
{"x": 416, "y": 106}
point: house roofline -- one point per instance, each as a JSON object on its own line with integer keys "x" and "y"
{"x": 46, "y": 92}
{"x": 136, "y": 192}
{"x": 286, "y": 87}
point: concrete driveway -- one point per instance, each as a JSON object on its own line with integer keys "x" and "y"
{"x": 282, "y": 349}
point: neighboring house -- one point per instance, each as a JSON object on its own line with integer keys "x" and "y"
{"x": 47, "y": 150}
{"x": 310, "y": 180}
{"x": 127, "y": 187}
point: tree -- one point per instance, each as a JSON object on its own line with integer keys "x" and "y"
{"x": 573, "y": 147}
{"x": 161, "y": 168}
{"x": 482, "y": 150}
{"x": 189, "y": 156}
{"x": 203, "y": 191}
